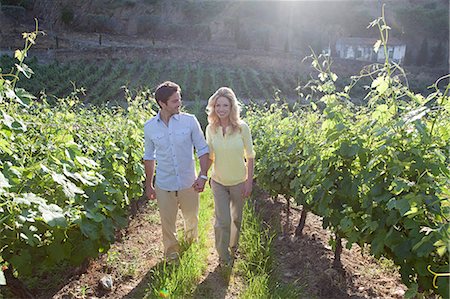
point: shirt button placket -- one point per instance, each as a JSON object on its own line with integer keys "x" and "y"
{"x": 174, "y": 157}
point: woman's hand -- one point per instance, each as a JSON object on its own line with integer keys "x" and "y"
{"x": 247, "y": 189}
{"x": 199, "y": 184}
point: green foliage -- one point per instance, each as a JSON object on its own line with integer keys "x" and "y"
{"x": 438, "y": 57}
{"x": 103, "y": 81}
{"x": 67, "y": 15}
{"x": 377, "y": 174}
{"x": 429, "y": 19}
{"x": 67, "y": 173}
{"x": 422, "y": 55}
{"x": 27, "y": 4}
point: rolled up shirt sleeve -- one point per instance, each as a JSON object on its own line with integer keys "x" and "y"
{"x": 149, "y": 147}
{"x": 198, "y": 139}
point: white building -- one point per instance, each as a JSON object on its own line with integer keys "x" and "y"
{"x": 362, "y": 49}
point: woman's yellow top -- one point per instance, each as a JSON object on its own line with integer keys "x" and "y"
{"x": 228, "y": 153}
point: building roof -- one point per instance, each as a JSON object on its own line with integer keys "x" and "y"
{"x": 367, "y": 41}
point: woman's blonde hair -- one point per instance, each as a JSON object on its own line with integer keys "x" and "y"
{"x": 235, "y": 118}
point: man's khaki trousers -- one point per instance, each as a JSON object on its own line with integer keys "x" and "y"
{"x": 168, "y": 203}
{"x": 228, "y": 206}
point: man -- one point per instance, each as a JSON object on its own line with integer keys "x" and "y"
{"x": 170, "y": 138}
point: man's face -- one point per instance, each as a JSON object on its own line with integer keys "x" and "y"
{"x": 173, "y": 104}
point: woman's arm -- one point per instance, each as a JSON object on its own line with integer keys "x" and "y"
{"x": 248, "y": 184}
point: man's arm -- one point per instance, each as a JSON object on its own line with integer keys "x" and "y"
{"x": 202, "y": 150}
{"x": 149, "y": 166}
{"x": 205, "y": 163}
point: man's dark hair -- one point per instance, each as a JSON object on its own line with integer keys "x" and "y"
{"x": 165, "y": 90}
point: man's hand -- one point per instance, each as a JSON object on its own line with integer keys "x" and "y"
{"x": 150, "y": 192}
{"x": 199, "y": 184}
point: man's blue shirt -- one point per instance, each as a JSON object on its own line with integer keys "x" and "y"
{"x": 172, "y": 147}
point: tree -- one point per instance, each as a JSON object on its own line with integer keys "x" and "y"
{"x": 438, "y": 55}
{"x": 422, "y": 55}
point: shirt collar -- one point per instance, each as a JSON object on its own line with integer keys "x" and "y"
{"x": 175, "y": 116}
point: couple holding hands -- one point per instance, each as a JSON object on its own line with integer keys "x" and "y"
{"x": 170, "y": 139}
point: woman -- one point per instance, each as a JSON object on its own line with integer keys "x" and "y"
{"x": 232, "y": 157}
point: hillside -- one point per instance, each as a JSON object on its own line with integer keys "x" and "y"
{"x": 255, "y": 47}
{"x": 271, "y": 26}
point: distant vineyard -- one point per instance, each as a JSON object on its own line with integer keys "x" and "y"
{"x": 103, "y": 80}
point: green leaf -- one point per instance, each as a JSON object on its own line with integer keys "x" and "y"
{"x": 58, "y": 251}
{"x": 20, "y": 55}
{"x": 346, "y": 224}
{"x": 381, "y": 84}
{"x": 96, "y": 216}
{"x": 108, "y": 230}
{"x": 53, "y": 215}
{"x": 334, "y": 77}
{"x": 381, "y": 112}
{"x": 377, "y": 45}
{"x": 69, "y": 188}
{"x": 4, "y": 183}
{"x": 403, "y": 206}
{"x": 412, "y": 291}
{"x": 2, "y": 278}
{"x": 28, "y": 199}
{"x": 378, "y": 242}
{"x": 87, "y": 162}
{"x": 22, "y": 260}
{"x": 23, "y": 97}
{"x": 25, "y": 70}
{"x": 348, "y": 150}
{"x": 90, "y": 229}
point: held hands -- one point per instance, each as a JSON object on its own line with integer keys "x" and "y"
{"x": 247, "y": 188}
{"x": 199, "y": 184}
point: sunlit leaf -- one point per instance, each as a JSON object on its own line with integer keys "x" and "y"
{"x": 23, "y": 97}
{"x": 381, "y": 84}
{"x": 53, "y": 215}
{"x": 86, "y": 162}
{"x": 377, "y": 46}
{"x": 20, "y": 55}
{"x": 70, "y": 189}
{"x": 334, "y": 77}
{"x": 2, "y": 278}
{"x": 25, "y": 70}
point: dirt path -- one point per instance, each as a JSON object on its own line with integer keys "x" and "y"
{"x": 212, "y": 284}
{"x": 302, "y": 261}
{"x": 128, "y": 262}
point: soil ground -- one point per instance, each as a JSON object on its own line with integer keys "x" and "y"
{"x": 305, "y": 262}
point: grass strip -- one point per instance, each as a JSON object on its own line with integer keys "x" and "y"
{"x": 179, "y": 280}
{"x": 257, "y": 258}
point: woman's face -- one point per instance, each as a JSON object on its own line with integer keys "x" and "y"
{"x": 222, "y": 108}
